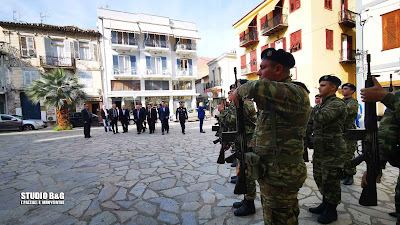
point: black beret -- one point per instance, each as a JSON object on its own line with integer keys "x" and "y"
{"x": 318, "y": 96}
{"x": 180, "y": 102}
{"x": 242, "y": 81}
{"x": 232, "y": 87}
{"x": 350, "y": 85}
{"x": 281, "y": 56}
{"x": 332, "y": 79}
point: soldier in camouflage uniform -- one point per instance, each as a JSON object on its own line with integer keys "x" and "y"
{"x": 388, "y": 133}
{"x": 246, "y": 206}
{"x": 349, "y": 171}
{"x": 277, "y": 158}
{"x": 329, "y": 147}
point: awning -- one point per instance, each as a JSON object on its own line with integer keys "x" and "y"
{"x": 191, "y": 34}
{"x": 121, "y": 25}
{"x": 155, "y": 29}
{"x": 261, "y": 12}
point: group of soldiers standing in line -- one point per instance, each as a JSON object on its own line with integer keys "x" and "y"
{"x": 275, "y": 135}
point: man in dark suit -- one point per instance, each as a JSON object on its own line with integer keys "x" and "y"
{"x": 124, "y": 118}
{"x": 87, "y": 119}
{"x": 143, "y": 111}
{"x": 164, "y": 116}
{"x": 181, "y": 113}
{"x": 139, "y": 115}
{"x": 114, "y": 115}
{"x": 151, "y": 117}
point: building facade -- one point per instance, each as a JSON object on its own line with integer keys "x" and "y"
{"x": 319, "y": 34}
{"x": 203, "y": 79}
{"x": 380, "y": 37}
{"x": 30, "y": 49}
{"x": 147, "y": 58}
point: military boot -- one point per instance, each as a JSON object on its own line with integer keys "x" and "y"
{"x": 329, "y": 215}
{"x": 246, "y": 209}
{"x": 349, "y": 180}
{"x": 319, "y": 209}
{"x": 237, "y": 205}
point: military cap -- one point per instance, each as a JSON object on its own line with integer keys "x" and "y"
{"x": 318, "y": 96}
{"x": 180, "y": 102}
{"x": 350, "y": 85}
{"x": 333, "y": 79}
{"x": 233, "y": 86}
{"x": 281, "y": 56}
{"x": 242, "y": 81}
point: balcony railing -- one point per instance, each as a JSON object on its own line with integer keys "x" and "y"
{"x": 347, "y": 18}
{"x": 249, "y": 38}
{"x": 250, "y": 68}
{"x": 182, "y": 47}
{"x": 181, "y": 72}
{"x": 157, "y": 71}
{"x": 52, "y": 61}
{"x": 347, "y": 56}
{"x": 212, "y": 84}
{"x": 126, "y": 71}
{"x": 275, "y": 24}
{"x": 156, "y": 43}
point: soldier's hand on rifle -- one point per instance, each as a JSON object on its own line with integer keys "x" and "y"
{"x": 235, "y": 98}
{"x": 394, "y": 90}
{"x": 220, "y": 107}
{"x": 364, "y": 179}
{"x": 373, "y": 94}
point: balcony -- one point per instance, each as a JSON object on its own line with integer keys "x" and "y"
{"x": 347, "y": 18}
{"x": 125, "y": 73}
{"x": 154, "y": 72}
{"x": 184, "y": 73}
{"x": 250, "y": 68}
{"x": 186, "y": 49}
{"x": 347, "y": 56}
{"x": 133, "y": 45}
{"x": 249, "y": 38}
{"x": 153, "y": 45}
{"x": 274, "y": 25}
{"x": 57, "y": 62}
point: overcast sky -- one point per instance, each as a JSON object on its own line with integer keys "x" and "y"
{"x": 214, "y": 18}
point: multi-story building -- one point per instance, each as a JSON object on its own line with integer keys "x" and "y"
{"x": 221, "y": 76}
{"x": 147, "y": 58}
{"x": 319, "y": 34}
{"x": 30, "y": 49}
{"x": 203, "y": 78}
{"x": 380, "y": 37}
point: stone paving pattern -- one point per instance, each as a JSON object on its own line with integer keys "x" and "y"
{"x": 145, "y": 179}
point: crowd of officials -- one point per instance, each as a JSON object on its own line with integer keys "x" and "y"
{"x": 141, "y": 117}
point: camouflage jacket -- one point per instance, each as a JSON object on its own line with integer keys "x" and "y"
{"x": 328, "y": 125}
{"x": 225, "y": 114}
{"x": 250, "y": 117}
{"x": 352, "y": 111}
{"x": 292, "y": 112}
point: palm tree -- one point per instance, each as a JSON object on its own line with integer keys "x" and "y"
{"x": 57, "y": 89}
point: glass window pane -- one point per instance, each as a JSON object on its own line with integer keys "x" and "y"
{"x": 136, "y": 85}
{"x": 116, "y": 85}
{"x": 114, "y": 37}
{"x": 127, "y": 85}
{"x": 119, "y": 34}
{"x": 125, "y": 38}
{"x": 132, "y": 39}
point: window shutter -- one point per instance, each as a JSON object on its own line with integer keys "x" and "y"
{"x": 164, "y": 63}
{"x": 329, "y": 39}
{"x": 253, "y": 60}
{"x": 272, "y": 45}
{"x": 284, "y": 43}
{"x": 91, "y": 51}
{"x": 243, "y": 61}
{"x": 190, "y": 66}
{"x": 391, "y": 30}
{"x": 297, "y": 4}
{"x": 24, "y": 47}
{"x": 114, "y": 37}
{"x": 24, "y": 76}
{"x": 31, "y": 46}
{"x": 67, "y": 52}
{"x": 178, "y": 62}
{"x": 148, "y": 62}
{"x": 115, "y": 63}
{"x": 76, "y": 49}
{"x": 133, "y": 61}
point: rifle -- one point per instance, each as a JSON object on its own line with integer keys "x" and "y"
{"x": 370, "y": 152}
{"x": 391, "y": 84}
{"x": 239, "y": 137}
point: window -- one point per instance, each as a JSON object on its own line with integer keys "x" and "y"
{"x": 391, "y": 30}
{"x": 84, "y": 50}
{"x": 27, "y": 46}
{"x": 123, "y": 38}
{"x": 295, "y": 41}
{"x": 86, "y": 80}
{"x": 329, "y": 39}
{"x": 155, "y": 40}
{"x": 125, "y": 85}
{"x": 184, "y": 66}
{"x": 29, "y": 77}
{"x": 156, "y": 85}
{"x": 6, "y": 118}
{"x": 328, "y": 4}
{"x": 253, "y": 60}
{"x": 156, "y": 65}
{"x": 182, "y": 85}
{"x": 280, "y": 44}
{"x": 294, "y": 5}
{"x": 124, "y": 64}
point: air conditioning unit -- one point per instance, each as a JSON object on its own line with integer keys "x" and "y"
{"x": 51, "y": 118}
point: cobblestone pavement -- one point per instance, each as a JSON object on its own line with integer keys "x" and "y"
{"x": 144, "y": 179}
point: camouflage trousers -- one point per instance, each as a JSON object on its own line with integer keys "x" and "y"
{"x": 251, "y": 188}
{"x": 279, "y": 191}
{"x": 327, "y": 177}
{"x": 351, "y": 149}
